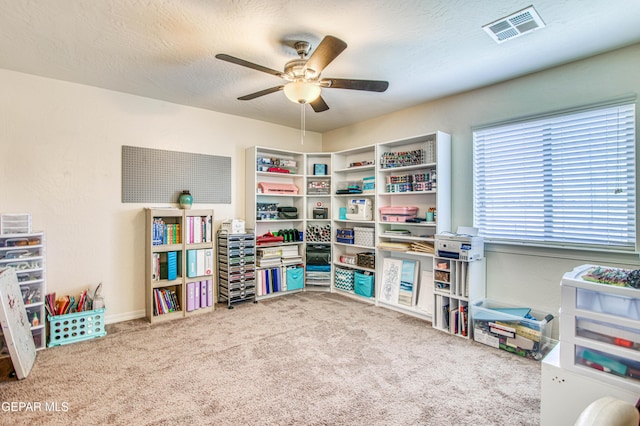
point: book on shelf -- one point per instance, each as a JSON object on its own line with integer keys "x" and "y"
{"x": 165, "y": 266}
{"x": 453, "y": 321}
{"x": 165, "y": 233}
{"x": 166, "y": 301}
{"x": 199, "y": 229}
{"x": 269, "y": 281}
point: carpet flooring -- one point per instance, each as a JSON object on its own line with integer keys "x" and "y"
{"x": 302, "y": 359}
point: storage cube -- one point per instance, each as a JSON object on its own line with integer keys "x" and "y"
{"x": 363, "y": 284}
{"x": 295, "y": 278}
{"x": 514, "y": 329}
{"x": 363, "y": 236}
{"x": 344, "y": 279}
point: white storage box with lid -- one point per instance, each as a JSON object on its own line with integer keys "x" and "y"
{"x": 600, "y": 325}
{"x": 363, "y": 236}
{"x": 18, "y": 223}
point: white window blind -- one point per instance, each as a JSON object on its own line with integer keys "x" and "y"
{"x": 565, "y": 180}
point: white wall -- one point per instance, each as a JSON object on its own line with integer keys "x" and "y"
{"x": 60, "y": 160}
{"x": 528, "y": 277}
{"x": 60, "y": 149}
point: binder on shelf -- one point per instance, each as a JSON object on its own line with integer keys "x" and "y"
{"x": 172, "y": 265}
{"x": 208, "y": 262}
{"x": 190, "y": 296}
{"x": 199, "y": 263}
{"x": 191, "y": 263}
{"x": 196, "y": 295}
{"x": 209, "y": 292}
{"x": 203, "y": 294}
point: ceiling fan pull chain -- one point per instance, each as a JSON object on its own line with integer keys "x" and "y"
{"x": 302, "y": 124}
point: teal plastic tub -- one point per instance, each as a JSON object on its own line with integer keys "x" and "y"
{"x": 75, "y": 327}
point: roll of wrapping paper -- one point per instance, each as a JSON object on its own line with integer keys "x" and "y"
{"x": 317, "y": 233}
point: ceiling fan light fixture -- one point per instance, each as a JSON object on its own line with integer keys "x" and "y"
{"x": 301, "y": 92}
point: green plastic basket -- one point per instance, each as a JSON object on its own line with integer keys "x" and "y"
{"x": 75, "y": 327}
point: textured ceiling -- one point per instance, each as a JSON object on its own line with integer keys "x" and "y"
{"x": 426, "y": 49}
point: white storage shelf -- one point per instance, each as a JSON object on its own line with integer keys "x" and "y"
{"x": 426, "y": 185}
{"x": 362, "y": 166}
{"x": 25, "y": 252}
{"x": 353, "y": 167}
{"x": 600, "y": 330}
{"x": 456, "y": 284}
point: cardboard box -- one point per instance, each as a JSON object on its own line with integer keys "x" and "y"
{"x": 233, "y": 226}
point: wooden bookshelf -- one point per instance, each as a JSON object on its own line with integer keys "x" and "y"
{"x": 178, "y": 244}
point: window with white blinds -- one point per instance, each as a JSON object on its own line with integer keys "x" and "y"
{"x": 561, "y": 180}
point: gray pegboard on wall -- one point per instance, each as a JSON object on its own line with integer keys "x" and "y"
{"x": 159, "y": 176}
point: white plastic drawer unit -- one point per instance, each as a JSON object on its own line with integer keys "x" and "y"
{"x": 600, "y": 326}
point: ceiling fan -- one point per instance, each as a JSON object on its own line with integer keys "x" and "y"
{"x": 304, "y": 84}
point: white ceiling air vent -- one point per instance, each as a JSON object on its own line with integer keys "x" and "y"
{"x": 514, "y": 25}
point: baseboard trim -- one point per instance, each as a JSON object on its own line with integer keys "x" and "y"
{"x": 126, "y": 316}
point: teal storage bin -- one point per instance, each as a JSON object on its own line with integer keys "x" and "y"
{"x": 75, "y": 327}
{"x": 295, "y": 278}
{"x": 363, "y": 284}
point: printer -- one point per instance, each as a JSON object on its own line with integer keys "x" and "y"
{"x": 465, "y": 246}
{"x": 359, "y": 209}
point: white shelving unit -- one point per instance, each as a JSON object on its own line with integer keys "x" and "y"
{"x": 274, "y": 188}
{"x": 26, "y": 254}
{"x": 352, "y": 169}
{"x": 413, "y": 172}
{"x": 318, "y": 215}
{"x": 457, "y": 283}
{"x": 323, "y": 180}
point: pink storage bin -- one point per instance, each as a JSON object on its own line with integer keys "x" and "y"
{"x": 397, "y": 213}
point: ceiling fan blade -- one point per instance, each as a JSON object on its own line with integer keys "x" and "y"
{"x": 260, "y": 93}
{"x": 344, "y": 83}
{"x": 247, "y": 64}
{"x": 319, "y": 105}
{"x": 328, "y": 49}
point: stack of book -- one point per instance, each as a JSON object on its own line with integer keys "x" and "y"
{"x": 269, "y": 256}
{"x": 165, "y": 266}
{"x": 199, "y": 229}
{"x": 290, "y": 255}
